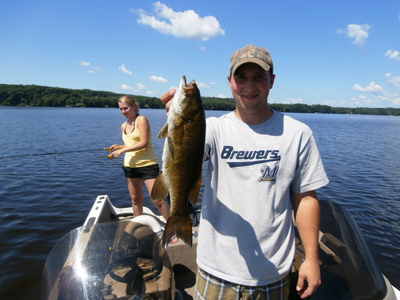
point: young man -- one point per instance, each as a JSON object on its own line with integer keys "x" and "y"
{"x": 262, "y": 165}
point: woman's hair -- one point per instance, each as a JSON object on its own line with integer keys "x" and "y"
{"x": 130, "y": 101}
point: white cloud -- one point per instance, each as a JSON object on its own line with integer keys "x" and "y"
{"x": 358, "y": 32}
{"x": 202, "y": 85}
{"x": 182, "y": 24}
{"x": 394, "y": 99}
{"x": 393, "y": 55}
{"x": 376, "y": 96}
{"x": 127, "y": 87}
{"x": 141, "y": 87}
{"x": 393, "y": 81}
{"x": 388, "y": 100}
{"x": 158, "y": 79}
{"x": 298, "y": 100}
{"x": 124, "y": 70}
{"x": 369, "y": 100}
{"x": 84, "y": 64}
{"x": 363, "y": 101}
{"x": 87, "y": 65}
{"x": 372, "y": 88}
{"x": 221, "y": 96}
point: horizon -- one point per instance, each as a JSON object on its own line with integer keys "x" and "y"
{"x": 227, "y": 98}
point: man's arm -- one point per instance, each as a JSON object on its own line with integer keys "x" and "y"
{"x": 306, "y": 213}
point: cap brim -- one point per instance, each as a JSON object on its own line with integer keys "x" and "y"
{"x": 254, "y": 60}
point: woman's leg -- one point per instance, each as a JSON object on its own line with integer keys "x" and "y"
{"x": 162, "y": 205}
{"x": 135, "y": 191}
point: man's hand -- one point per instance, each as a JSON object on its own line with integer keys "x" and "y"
{"x": 309, "y": 278}
{"x": 167, "y": 97}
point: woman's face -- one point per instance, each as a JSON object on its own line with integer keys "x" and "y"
{"x": 127, "y": 111}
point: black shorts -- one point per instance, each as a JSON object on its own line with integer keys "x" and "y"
{"x": 148, "y": 172}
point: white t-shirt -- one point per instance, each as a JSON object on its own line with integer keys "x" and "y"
{"x": 246, "y": 233}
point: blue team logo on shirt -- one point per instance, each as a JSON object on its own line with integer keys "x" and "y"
{"x": 242, "y": 158}
{"x": 268, "y": 174}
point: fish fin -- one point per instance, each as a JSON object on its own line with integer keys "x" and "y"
{"x": 179, "y": 226}
{"x": 160, "y": 188}
{"x": 163, "y": 133}
{"x": 194, "y": 192}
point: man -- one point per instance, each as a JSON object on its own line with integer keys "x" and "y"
{"x": 262, "y": 165}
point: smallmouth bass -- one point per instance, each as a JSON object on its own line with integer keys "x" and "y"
{"x": 182, "y": 159}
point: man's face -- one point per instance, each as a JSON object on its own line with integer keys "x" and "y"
{"x": 250, "y": 87}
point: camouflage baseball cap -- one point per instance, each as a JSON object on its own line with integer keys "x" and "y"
{"x": 251, "y": 54}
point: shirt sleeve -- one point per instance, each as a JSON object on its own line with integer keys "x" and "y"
{"x": 210, "y": 123}
{"x": 310, "y": 173}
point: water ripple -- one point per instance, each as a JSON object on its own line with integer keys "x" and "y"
{"x": 43, "y": 197}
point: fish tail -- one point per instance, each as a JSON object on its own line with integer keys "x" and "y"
{"x": 179, "y": 226}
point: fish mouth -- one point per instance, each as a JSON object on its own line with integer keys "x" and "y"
{"x": 186, "y": 85}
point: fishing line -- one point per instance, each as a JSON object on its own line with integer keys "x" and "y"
{"x": 52, "y": 153}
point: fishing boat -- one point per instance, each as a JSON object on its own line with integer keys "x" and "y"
{"x": 115, "y": 255}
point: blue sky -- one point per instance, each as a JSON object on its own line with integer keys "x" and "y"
{"x": 338, "y": 53}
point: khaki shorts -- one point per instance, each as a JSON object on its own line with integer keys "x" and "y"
{"x": 209, "y": 287}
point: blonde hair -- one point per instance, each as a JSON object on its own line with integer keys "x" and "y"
{"x": 130, "y": 101}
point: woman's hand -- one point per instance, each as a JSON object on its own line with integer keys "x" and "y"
{"x": 114, "y": 147}
{"x": 116, "y": 153}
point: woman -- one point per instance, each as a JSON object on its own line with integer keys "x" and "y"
{"x": 140, "y": 162}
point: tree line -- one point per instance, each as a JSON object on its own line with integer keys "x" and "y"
{"x": 35, "y": 95}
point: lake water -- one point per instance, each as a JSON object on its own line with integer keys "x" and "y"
{"x": 42, "y": 197}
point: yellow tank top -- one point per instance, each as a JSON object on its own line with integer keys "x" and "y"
{"x": 140, "y": 158}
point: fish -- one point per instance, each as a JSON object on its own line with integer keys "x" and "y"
{"x": 182, "y": 159}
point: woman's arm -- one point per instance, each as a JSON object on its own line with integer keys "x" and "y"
{"x": 144, "y": 128}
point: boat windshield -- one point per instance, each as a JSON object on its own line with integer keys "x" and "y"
{"x": 115, "y": 260}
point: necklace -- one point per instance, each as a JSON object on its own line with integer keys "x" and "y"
{"x": 132, "y": 124}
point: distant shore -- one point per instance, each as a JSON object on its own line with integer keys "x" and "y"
{"x": 44, "y": 96}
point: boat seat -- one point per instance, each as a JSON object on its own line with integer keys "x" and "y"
{"x": 138, "y": 265}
